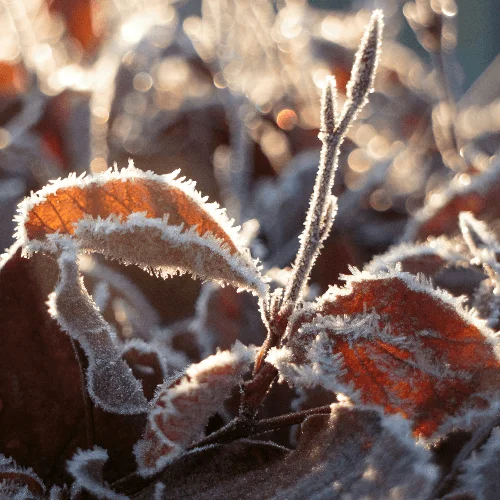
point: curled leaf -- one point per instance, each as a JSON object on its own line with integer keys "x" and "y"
{"x": 87, "y": 469}
{"x": 183, "y": 408}
{"x": 18, "y": 483}
{"x": 110, "y": 381}
{"x": 393, "y": 341}
{"x": 154, "y": 221}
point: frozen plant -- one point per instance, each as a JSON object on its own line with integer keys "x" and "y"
{"x": 398, "y": 364}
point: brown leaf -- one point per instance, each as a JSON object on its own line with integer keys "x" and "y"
{"x": 42, "y": 406}
{"x": 86, "y": 467}
{"x": 198, "y": 473}
{"x": 353, "y": 453}
{"x": 182, "y": 408}
{"x": 157, "y": 222}
{"x": 42, "y": 395}
{"x": 18, "y": 479}
{"x": 479, "y": 197}
{"x": 393, "y": 341}
{"x": 445, "y": 262}
{"x": 428, "y": 258}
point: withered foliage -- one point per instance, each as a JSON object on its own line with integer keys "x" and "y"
{"x": 271, "y": 378}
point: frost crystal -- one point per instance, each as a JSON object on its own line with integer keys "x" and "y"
{"x": 19, "y": 483}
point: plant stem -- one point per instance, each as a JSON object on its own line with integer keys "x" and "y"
{"x": 242, "y": 427}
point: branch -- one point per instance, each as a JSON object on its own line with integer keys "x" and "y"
{"x": 242, "y": 427}
{"x": 236, "y": 429}
{"x": 323, "y": 207}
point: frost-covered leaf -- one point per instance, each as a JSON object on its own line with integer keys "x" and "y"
{"x": 156, "y": 222}
{"x": 217, "y": 471}
{"x": 393, "y": 341}
{"x": 428, "y": 258}
{"x": 445, "y": 262}
{"x": 479, "y": 477}
{"x": 352, "y": 453}
{"x": 356, "y": 453}
{"x": 86, "y": 467}
{"x": 110, "y": 381}
{"x": 18, "y": 483}
{"x": 182, "y": 408}
{"x": 478, "y": 195}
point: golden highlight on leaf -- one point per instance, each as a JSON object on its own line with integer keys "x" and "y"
{"x": 157, "y": 222}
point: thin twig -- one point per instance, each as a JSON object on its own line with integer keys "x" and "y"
{"x": 238, "y": 428}
{"x": 243, "y": 428}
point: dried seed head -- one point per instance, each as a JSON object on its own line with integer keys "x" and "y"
{"x": 365, "y": 64}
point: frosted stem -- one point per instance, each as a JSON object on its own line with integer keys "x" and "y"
{"x": 322, "y": 207}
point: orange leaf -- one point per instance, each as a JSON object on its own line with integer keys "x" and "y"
{"x": 393, "y": 341}
{"x": 157, "y": 222}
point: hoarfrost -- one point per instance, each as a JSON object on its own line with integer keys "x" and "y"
{"x": 182, "y": 409}
{"x": 86, "y": 467}
{"x": 110, "y": 382}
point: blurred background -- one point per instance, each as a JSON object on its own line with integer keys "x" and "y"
{"x": 478, "y": 37}
{"x": 228, "y": 92}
